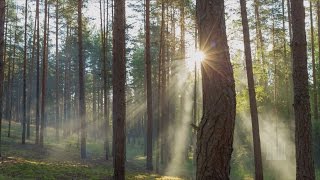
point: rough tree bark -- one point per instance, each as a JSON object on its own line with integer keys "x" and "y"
{"x": 303, "y": 130}
{"x": 82, "y": 103}
{"x": 118, "y": 81}
{"x": 215, "y": 133}
{"x": 149, "y": 89}
{"x": 44, "y": 75}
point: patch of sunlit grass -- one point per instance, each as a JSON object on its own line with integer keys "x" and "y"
{"x": 140, "y": 158}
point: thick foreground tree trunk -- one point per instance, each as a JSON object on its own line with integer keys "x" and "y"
{"x": 303, "y": 130}
{"x": 118, "y": 81}
{"x": 215, "y": 133}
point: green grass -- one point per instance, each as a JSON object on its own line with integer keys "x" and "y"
{"x": 61, "y": 160}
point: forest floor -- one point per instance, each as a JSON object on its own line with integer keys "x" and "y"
{"x": 61, "y": 160}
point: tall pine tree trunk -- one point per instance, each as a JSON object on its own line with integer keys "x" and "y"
{"x": 57, "y": 105}
{"x": 44, "y": 76}
{"x": 303, "y": 131}
{"x": 149, "y": 89}
{"x": 119, "y": 79}
{"x": 24, "y": 94}
{"x": 215, "y": 133}
{"x": 252, "y": 94}
{"x": 12, "y": 81}
{"x": 2, "y": 20}
{"x": 38, "y": 77}
{"x": 82, "y": 102}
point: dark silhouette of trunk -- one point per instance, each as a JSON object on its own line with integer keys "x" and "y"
{"x": 82, "y": 103}
{"x": 303, "y": 131}
{"x": 2, "y": 21}
{"x": 9, "y": 84}
{"x": 105, "y": 77}
{"x": 215, "y": 132}
{"x": 6, "y": 19}
{"x": 118, "y": 81}
{"x": 6, "y": 60}
{"x": 24, "y": 94}
{"x": 57, "y": 105}
{"x": 44, "y": 75}
{"x": 252, "y": 94}
{"x": 160, "y": 100}
{"x": 38, "y": 77}
{"x": 104, "y": 43}
{"x": 12, "y": 80}
{"x": 163, "y": 120}
{"x": 149, "y": 89}
{"x": 67, "y": 85}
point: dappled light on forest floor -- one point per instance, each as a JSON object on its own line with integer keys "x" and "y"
{"x": 60, "y": 160}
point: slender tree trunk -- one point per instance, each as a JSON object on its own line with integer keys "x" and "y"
{"x": 105, "y": 78}
{"x": 2, "y": 21}
{"x": 24, "y": 96}
{"x": 160, "y": 100}
{"x": 66, "y": 86}
{"x": 38, "y": 77}
{"x": 215, "y": 133}
{"x": 82, "y": 102}
{"x": 163, "y": 121}
{"x": 119, "y": 79}
{"x": 12, "y": 80}
{"x": 57, "y": 105}
{"x": 44, "y": 75}
{"x": 149, "y": 89}
{"x": 252, "y": 94}
{"x": 304, "y": 157}
{"x": 6, "y": 19}
{"x": 5, "y": 58}
{"x": 9, "y": 89}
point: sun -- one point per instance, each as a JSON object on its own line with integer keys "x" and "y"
{"x": 199, "y": 56}
{"x": 194, "y": 59}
